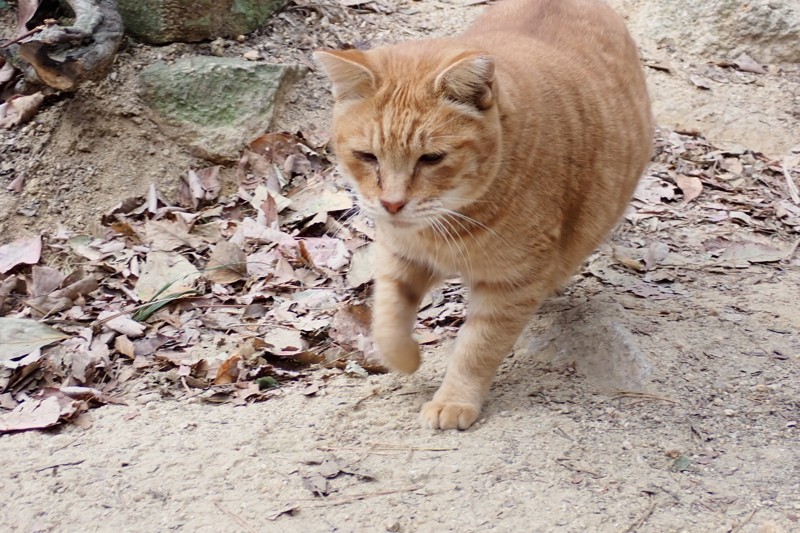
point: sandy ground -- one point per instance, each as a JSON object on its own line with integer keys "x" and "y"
{"x": 615, "y": 413}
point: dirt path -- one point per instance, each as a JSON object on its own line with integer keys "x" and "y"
{"x": 616, "y": 413}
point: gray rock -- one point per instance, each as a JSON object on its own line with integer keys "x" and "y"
{"x": 590, "y": 333}
{"x": 166, "y": 21}
{"x": 215, "y": 105}
{"x": 767, "y": 30}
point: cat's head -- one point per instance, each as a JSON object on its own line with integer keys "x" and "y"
{"x": 415, "y": 128}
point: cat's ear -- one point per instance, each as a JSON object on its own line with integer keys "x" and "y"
{"x": 468, "y": 79}
{"x": 349, "y": 72}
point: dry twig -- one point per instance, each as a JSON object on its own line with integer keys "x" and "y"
{"x": 640, "y": 522}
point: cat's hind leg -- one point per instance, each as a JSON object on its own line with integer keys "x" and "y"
{"x": 399, "y": 288}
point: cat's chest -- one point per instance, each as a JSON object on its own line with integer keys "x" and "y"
{"x": 446, "y": 253}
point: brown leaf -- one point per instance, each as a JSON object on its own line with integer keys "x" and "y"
{"x": 700, "y": 82}
{"x": 350, "y": 330}
{"x": 7, "y": 287}
{"x": 754, "y": 252}
{"x": 32, "y": 414}
{"x": 121, "y": 323}
{"x": 653, "y": 190}
{"x": 325, "y": 252}
{"x": 656, "y": 253}
{"x": 17, "y": 184}
{"x": 7, "y": 72}
{"x": 284, "y": 342}
{"x": 169, "y": 235}
{"x": 319, "y": 198}
{"x": 20, "y": 110}
{"x": 21, "y": 336}
{"x": 690, "y": 186}
{"x": 165, "y": 274}
{"x": 45, "y": 280}
{"x": 277, "y": 147}
{"x": 746, "y": 63}
{"x": 124, "y": 346}
{"x": 200, "y": 186}
{"x": 228, "y": 371}
{"x": 227, "y": 264}
{"x": 20, "y": 252}
{"x": 268, "y": 213}
{"x": 61, "y": 299}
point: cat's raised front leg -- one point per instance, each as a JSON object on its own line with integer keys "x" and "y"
{"x": 399, "y": 287}
{"x": 495, "y": 319}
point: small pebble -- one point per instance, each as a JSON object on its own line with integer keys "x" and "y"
{"x": 729, "y": 412}
{"x": 251, "y": 55}
{"x": 393, "y": 527}
{"x": 149, "y": 397}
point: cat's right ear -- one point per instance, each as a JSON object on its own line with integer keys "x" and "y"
{"x": 349, "y": 72}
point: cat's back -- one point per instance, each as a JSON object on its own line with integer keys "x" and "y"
{"x": 581, "y": 34}
{"x": 562, "y": 23}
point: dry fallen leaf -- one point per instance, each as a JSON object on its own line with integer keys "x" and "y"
{"x": 32, "y": 414}
{"x": 45, "y": 280}
{"x": 746, "y": 63}
{"x": 199, "y": 187}
{"x": 362, "y": 266}
{"x": 754, "y": 252}
{"x": 165, "y": 274}
{"x": 700, "y": 82}
{"x": 228, "y": 371}
{"x": 690, "y": 186}
{"x": 21, "y": 110}
{"x": 21, "y": 336}
{"x": 227, "y": 263}
{"x": 63, "y": 298}
{"x": 121, "y": 323}
{"x": 169, "y": 235}
{"x": 20, "y": 252}
{"x": 655, "y": 254}
{"x": 326, "y": 252}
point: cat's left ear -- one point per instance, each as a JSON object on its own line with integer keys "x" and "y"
{"x": 468, "y": 80}
{"x": 349, "y": 72}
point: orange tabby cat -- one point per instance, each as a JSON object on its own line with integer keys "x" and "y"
{"x": 505, "y": 154}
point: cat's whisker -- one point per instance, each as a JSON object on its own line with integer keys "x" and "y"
{"x": 446, "y": 237}
{"x": 471, "y": 220}
{"x": 460, "y": 245}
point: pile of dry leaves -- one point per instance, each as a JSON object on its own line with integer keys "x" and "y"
{"x": 225, "y": 297}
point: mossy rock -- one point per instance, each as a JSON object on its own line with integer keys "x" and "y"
{"x": 215, "y": 105}
{"x": 167, "y": 21}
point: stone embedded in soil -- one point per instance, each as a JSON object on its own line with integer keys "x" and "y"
{"x": 723, "y": 29}
{"x": 167, "y": 21}
{"x": 591, "y": 334}
{"x": 215, "y": 105}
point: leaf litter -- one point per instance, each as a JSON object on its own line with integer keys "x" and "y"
{"x": 226, "y": 295}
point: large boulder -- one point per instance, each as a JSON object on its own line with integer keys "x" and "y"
{"x": 215, "y": 105}
{"x": 767, "y": 30}
{"x": 166, "y": 21}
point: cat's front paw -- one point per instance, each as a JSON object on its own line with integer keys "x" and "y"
{"x": 448, "y": 415}
{"x": 399, "y": 354}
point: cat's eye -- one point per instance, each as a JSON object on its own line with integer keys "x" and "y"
{"x": 365, "y": 157}
{"x": 431, "y": 159}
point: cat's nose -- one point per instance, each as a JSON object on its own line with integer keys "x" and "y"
{"x": 393, "y": 207}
